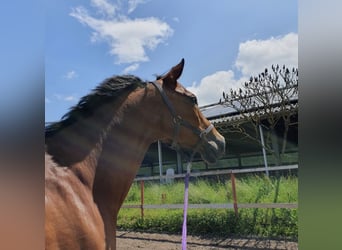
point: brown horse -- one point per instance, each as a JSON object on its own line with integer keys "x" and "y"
{"x": 94, "y": 153}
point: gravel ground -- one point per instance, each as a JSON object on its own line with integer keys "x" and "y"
{"x": 134, "y": 240}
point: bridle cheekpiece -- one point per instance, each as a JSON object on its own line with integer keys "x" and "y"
{"x": 179, "y": 121}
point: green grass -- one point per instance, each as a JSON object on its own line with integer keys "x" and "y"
{"x": 250, "y": 189}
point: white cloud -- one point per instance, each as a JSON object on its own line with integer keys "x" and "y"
{"x": 176, "y": 19}
{"x": 70, "y": 75}
{"x": 104, "y": 7}
{"x": 210, "y": 89}
{"x": 133, "y": 4}
{"x": 67, "y": 98}
{"x": 131, "y": 68}
{"x": 127, "y": 38}
{"x": 70, "y": 98}
{"x": 253, "y": 57}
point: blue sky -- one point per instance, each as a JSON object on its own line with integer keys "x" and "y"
{"x": 223, "y": 43}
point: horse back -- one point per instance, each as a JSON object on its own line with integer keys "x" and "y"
{"x": 72, "y": 219}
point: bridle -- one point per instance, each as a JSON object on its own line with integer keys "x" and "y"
{"x": 179, "y": 121}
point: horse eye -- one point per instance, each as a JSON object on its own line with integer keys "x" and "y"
{"x": 194, "y": 100}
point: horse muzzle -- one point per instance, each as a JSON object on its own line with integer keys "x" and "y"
{"x": 212, "y": 147}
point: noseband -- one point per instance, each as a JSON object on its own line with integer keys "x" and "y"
{"x": 179, "y": 121}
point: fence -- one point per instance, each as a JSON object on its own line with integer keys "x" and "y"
{"x": 235, "y": 205}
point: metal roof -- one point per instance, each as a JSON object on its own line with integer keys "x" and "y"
{"x": 222, "y": 112}
{"x": 224, "y": 109}
{"x": 217, "y": 109}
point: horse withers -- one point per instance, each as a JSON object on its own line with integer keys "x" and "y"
{"x": 94, "y": 153}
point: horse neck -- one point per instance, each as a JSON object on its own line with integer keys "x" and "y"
{"x": 120, "y": 128}
{"x": 129, "y": 139}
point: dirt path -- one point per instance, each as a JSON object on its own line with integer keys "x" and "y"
{"x": 150, "y": 241}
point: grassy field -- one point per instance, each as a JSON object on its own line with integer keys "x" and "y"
{"x": 250, "y": 189}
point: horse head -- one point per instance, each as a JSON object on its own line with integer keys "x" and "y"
{"x": 184, "y": 125}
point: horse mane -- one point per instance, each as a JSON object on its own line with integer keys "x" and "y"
{"x": 106, "y": 91}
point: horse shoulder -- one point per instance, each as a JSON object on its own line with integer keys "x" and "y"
{"x": 72, "y": 219}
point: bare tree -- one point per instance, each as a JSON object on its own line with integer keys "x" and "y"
{"x": 266, "y": 100}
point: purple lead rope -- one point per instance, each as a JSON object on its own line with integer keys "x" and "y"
{"x": 186, "y": 198}
{"x": 185, "y": 210}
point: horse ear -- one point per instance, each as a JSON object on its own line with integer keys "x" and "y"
{"x": 170, "y": 79}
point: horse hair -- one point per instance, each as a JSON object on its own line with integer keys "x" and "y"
{"x": 106, "y": 91}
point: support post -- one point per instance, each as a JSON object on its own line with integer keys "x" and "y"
{"x": 232, "y": 178}
{"x": 263, "y": 149}
{"x": 160, "y": 158}
{"x": 179, "y": 163}
{"x": 239, "y": 161}
{"x": 142, "y": 199}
